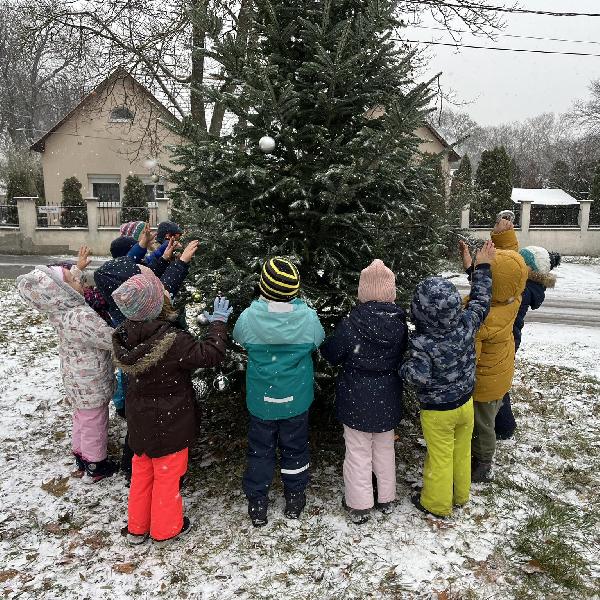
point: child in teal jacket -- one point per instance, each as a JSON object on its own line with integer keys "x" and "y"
{"x": 280, "y": 333}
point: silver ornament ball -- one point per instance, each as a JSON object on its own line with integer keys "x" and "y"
{"x": 202, "y": 319}
{"x": 266, "y": 144}
{"x": 155, "y": 178}
{"x": 221, "y": 383}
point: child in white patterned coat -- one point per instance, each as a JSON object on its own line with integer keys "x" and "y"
{"x": 85, "y": 351}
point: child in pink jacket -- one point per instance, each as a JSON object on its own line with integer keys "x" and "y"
{"x": 85, "y": 351}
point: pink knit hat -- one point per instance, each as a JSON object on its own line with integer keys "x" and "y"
{"x": 377, "y": 283}
{"x": 141, "y": 297}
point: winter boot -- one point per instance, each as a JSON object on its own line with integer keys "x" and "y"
{"x": 416, "y": 502}
{"x": 257, "y": 510}
{"x": 134, "y": 539}
{"x": 480, "y": 471}
{"x": 385, "y": 507}
{"x": 294, "y": 504}
{"x": 187, "y": 525}
{"x": 79, "y": 471}
{"x": 97, "y": 471}
{"x": 357, "y": 516}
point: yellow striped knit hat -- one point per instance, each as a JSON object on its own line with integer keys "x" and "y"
{"x": 279, "y": 280}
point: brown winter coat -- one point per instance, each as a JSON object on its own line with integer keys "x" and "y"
{"x": 158, "y": 360}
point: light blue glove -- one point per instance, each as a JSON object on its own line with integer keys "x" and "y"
{"x": 221, "y": 310}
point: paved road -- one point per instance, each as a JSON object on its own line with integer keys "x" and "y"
{"x": 558, "y": 309}
{"x": 13, "y": 266}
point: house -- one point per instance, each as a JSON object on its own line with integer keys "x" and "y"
{"x": 118, "y": 129}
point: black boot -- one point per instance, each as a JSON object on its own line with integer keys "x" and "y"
{"x": 257, "y": 510}
{"x": 357, "y": 515}
{"x": 79, "y": 471}
{"x": 416, "y": 502}
{"x": 294, "y": 504}
{"x": 480, "y": 471}
{"x": 187, "y": 525}
{"x": 97, "y": 471}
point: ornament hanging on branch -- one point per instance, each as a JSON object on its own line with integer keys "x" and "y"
{"x": 200, "y": 387}
{"x": 266, "y": 144}
{"x": 202, "y": 319}
{"x": 221, "y": 382}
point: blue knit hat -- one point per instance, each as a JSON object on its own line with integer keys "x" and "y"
{"x": 536, "y": 258}
{"x": 167, "y": 228}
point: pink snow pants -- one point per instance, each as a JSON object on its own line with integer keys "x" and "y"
{"x": 368, "y": 453}
{"x": 90, "y": 433}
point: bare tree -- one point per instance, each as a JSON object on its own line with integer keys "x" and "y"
{"x": 587, "y": 113}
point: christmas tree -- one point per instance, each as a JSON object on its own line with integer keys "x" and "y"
{"x": 74, "y": 211}
{"x": 343, "y": 185}
{"x": 494, "y": 175}
{"x": 134, "y": 206}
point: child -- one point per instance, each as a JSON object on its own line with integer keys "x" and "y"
{"x": 369, "y": 343}
{"x": 85, "y": 344}
{"x": 159, "y": 360}
{"x": 441, "y": 365}
{"x": 539, "y": 264}
{"x": 280, "y": 333}
{"x": 496, "y": 347}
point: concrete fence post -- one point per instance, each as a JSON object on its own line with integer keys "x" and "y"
{"x": 27, "y": 211}
{"x": 92, "y": 220}
{"x": 584, "y": 215}
{"x": 465, "y": 217}
{"x": 162, "y": 209}
{"x": 525, "y": 217}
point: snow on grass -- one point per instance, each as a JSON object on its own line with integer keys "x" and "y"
{"x": 531, "y": 534}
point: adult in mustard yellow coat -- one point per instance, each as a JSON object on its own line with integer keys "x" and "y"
{"x": 495, "y": 346}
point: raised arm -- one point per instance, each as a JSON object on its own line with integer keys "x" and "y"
{"x": 478, "y": 306}
{"x": 504, "y": 236}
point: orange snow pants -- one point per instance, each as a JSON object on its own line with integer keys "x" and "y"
{"x": 155, "y": 504}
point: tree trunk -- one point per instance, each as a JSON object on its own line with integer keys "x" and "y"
{"x": 197, "y": 105}
{"x": 244, "y": 22}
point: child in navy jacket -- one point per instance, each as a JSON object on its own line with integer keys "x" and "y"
{"x": 369, "y": 345}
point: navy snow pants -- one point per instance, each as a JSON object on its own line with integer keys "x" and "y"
{"x": 505, "y": 421}
{"x": 264, "y": 437}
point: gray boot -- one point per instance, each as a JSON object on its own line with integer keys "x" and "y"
{"x": 480, "y": 471}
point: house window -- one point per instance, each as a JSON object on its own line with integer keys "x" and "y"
{"x": 121, "y": 114}
{"x": 107, "y": 188}
{"x": 160, "y": 191}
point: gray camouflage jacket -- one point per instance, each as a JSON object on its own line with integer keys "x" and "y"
{"x": 441, "y": 357}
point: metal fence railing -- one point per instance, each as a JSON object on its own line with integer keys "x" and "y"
{"x": 554, "y": 216}
{"x": 9, "y": 215}
{"x": 62, "y": 216}
{"x": 112, "y": 214}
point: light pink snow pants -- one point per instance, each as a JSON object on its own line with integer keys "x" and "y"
{"x": 368, "y": 453}
{"x": 90, "y": 433}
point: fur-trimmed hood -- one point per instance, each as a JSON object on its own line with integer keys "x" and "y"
{"x": 547, "y": 280}
{"x": 139, "y": 346}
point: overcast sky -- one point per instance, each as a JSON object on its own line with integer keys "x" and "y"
{"x": 508, "y": 86}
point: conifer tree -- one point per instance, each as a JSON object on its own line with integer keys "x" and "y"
{"x": 494, "y": 176}
{"x": 134, "y": 206}
{"x": 342, "y": 186}
{"x": 74, "y": 211}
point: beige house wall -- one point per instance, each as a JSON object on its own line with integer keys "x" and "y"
{"x": 88, "y": 144}
{"x": 432, "y": 145}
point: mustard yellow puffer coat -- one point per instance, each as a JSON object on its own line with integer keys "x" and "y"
{"x": 495, "y": 344}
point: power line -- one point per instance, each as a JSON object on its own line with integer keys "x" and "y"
{"x": 497, "y": 48}
{"x": 509, "y": 35}
{"x": 503, "y": 9}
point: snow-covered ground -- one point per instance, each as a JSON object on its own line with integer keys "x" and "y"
{"x": 531, "y": 534}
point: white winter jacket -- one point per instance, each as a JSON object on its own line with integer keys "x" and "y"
{"x": 84, "y": 339}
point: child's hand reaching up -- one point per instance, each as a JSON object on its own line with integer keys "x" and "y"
{"x": 189, "y": 251}
{"x": 221, "y": 310}
{"x": 487, "y": 254}
{"x": 465, "y": 255}
{"x": 83, "y": 258}
{"x": 146, "y": 236}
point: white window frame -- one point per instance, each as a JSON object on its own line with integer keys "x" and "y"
{"x": 106, "y": 179}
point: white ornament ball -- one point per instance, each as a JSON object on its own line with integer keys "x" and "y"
{"x": 202, "y": 319}
{"x": 266, "y": 144}
{"x": 155, "y": 178}
{"x": 221, "y": 383}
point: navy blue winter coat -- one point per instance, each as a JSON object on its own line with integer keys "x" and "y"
{"x": 369, "y": 344}
{"x": 533, "y": 297}
{"x": 114, "y": 272}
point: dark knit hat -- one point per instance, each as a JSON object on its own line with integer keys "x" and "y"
{"x": 165, "y": 228}
{"x": 279, "y": 280}
{"x": 121, "y": 246}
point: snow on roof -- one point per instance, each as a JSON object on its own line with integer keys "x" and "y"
{"x": 547, "y": 197}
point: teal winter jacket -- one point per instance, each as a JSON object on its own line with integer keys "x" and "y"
{"x": 280, "y": 338}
